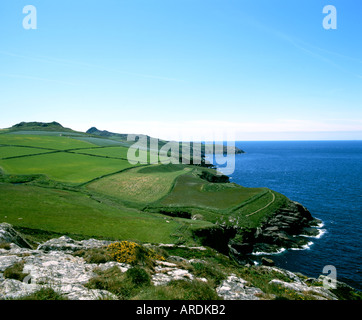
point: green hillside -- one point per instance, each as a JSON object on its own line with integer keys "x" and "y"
{"x": 57, "y": 180}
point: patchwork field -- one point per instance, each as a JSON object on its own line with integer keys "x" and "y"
{"x": 8, "y": 152}
{"x": 143, "y": 185}
{"x": 60, "y": 183}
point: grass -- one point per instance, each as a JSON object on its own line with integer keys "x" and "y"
{"x": 123, "y": 285}
{"x": 43, "y": 141}
{"x": 44, "y": 294}
{"x": 15, "y": 272}
{"x": 112, "y": 152}
{"x": 63, "y": 166}
{"x": 179, "y": 290}
{"x": 102, "y": 142}
{"x": 91, "y": 191}
{"x": 6, "y": 152}
{"x": 143, "y": 185}
{"x": 192, "y": 191}
{"x": 75, "y": 213}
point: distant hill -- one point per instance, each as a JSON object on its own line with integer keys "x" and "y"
{"x": 56, "y": 127}
{"x": 40, "y": 126}
{"x": 107, "y": 134}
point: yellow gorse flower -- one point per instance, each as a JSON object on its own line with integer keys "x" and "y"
{"x": 126, "y": 252}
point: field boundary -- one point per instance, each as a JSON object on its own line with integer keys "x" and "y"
{"x": 271, "y": 202}
{"x": 111, "y": 174}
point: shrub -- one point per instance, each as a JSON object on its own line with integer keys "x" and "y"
{"x": 132, "y": 253}
{"x": 124, "y": 285}
{"x": 124, "y": 251}
{"x": 138, "y": 276}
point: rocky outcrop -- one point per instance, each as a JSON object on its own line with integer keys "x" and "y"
{"x": 9, "y": 235}
{"x": 66, "y": 244}
{"x": 285, "y": 229}
{"x": 168, "y": 271}
{"x": 236, "y": 288}
{"x": 288, "y": 227}
{"x": 53, "y": 264}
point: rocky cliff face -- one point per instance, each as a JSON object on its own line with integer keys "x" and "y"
{"x": 288, "y": 227}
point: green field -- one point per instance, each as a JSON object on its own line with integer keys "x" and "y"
{"x": 192, "y": 191}
{"x": 72, "y": 212}
{"x": 143, "y": 185}
{"x": 6, "y": 152}
{"x": 64, "y": 167}
{"x": 102, "y": 142}
{"x": 112, "y": 152}
{"x": 43, "y": 141}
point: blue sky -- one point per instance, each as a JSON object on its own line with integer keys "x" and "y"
{"x": 182, "y": 69}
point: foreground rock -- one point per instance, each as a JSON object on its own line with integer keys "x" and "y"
{"x": 69, "y": 245}
{"x": 61, "y": 271}
{"x": 9, "y": 235}
{"x": 53, "y": 265}
{"x": 235, "y": 288}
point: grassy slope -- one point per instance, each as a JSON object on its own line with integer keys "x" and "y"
{"x": 112, "y": 152}
{"x": 43, "y": 141}
{"x": 193, "y": 191}
{"x": 65, "y": 167}
{"x": 6, "y": 152}
{"x": 157, "y": 187}
{"x": 72, "y": 212}
{"x": 143, "y": 185}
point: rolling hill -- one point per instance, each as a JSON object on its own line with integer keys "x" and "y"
{"x": 55, "y": 179}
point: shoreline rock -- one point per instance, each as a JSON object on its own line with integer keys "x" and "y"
{"x": 287, "y": 228}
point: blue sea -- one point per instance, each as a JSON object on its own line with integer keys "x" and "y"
{"x": 324, "y": 176}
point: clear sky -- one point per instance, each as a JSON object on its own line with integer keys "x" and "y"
{"x": 181, "y": 69}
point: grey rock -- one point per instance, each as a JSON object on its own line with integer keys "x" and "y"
{"x": 54, "y": 268}
{"x": 167, "y": 271}
{"x": 7, "y": 261}
{"x": 235, "y": 288}
{"x": 9, "y": 235}
{"x": 319, "y": 293}
{"x": 14, "y": 289}
{"x": 66, "y": 244}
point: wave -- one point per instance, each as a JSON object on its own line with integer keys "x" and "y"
{"x": 320, "y": 225}
{"x": 261, "y": 253}
{"x": 304, "y": 247}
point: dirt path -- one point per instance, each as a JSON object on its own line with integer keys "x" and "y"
{"x": 248, "y": 215}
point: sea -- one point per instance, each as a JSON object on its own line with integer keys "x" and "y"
{"x": 324, "y": 176}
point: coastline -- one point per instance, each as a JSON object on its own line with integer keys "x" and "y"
{"x": 307, "y": 246}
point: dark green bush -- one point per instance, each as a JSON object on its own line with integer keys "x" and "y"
{"x": 138, "y": 276}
